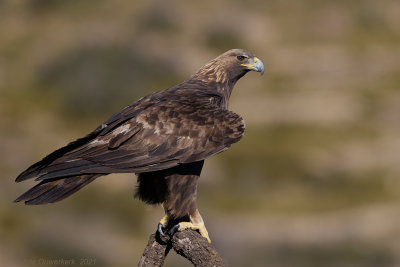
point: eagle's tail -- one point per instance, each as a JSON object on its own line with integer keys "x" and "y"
{"x": 53, "y": 190}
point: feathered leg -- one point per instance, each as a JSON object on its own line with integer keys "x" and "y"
{"x": 176, "y": 189}
{"x": 180, "y": 204}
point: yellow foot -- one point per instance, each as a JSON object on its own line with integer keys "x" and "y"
{"x": 188, "y": 225}
{"x": 162, "y": 224}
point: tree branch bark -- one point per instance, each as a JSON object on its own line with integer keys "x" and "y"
{"x": 155, "y": 252}
{"x": 187, "y": 243}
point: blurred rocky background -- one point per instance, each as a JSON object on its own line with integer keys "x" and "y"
{"x": 314, "y": 182}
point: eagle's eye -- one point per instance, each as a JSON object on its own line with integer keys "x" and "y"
{"x": 241, "y": 57}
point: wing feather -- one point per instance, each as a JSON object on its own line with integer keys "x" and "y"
{"x": 152, "y": 134}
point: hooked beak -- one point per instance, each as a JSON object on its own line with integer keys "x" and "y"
{"x": 255, "y": 64}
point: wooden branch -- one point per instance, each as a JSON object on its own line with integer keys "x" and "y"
{"x": 191, "y": 245}
{"x": 155, "y": 252}
{"x": 187, "y": 243}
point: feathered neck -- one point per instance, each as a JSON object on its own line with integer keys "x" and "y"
{"x": 216, "y": 77}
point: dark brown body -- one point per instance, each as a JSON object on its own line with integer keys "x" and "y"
{"x": 175, "y": 188}
{"x": 163, "y": 137}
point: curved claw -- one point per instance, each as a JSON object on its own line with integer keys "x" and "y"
{"x": 174, "y": 229}
{"x": 159, "y": 229}
{"x": 162, "y": 224}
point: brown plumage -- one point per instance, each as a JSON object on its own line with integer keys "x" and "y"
{"x": 163, "y": 137}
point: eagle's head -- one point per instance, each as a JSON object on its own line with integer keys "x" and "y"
{"x": 240, "y": 60}
{"x": 229, "y": 67}
{"x": 222, "y": 73}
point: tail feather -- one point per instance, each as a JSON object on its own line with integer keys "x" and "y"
{"x": 77, "y": 145}
{"x": 53, "y": 190}
{"x": 65, "y": 167}
{"x": 66, "y": 170}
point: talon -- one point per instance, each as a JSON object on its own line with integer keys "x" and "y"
{"x": 162, "y": 224}
{"x": 159, "y": 229}
{"x": 174, "y": 229}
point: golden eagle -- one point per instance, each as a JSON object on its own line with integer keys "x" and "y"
{"x": 164, "y": 138}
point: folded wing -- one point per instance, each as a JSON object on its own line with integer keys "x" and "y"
{"x": 150, "y": 135}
